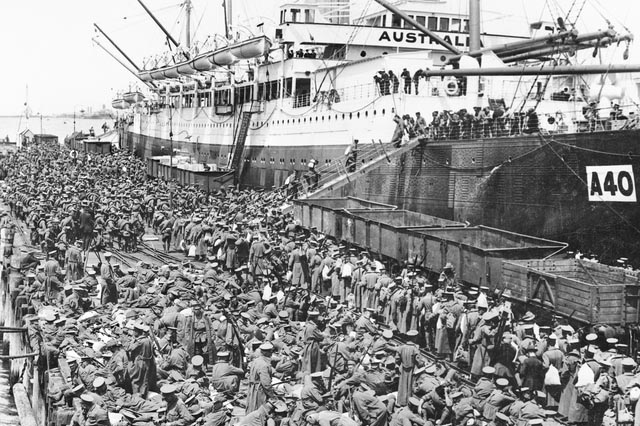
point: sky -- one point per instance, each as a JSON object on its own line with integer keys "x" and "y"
{"x": 47, "y": 45}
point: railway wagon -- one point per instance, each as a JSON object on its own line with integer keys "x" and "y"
{"x": 581, "y": 290}
{"x": 476, "y": 252}
{"x": 324, "y": 213}
{"x": 387, "y": 232}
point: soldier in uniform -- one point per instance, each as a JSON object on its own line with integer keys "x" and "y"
{"x": 224, "y": 376}
{"x": 260, "y": 373}
{"x": 176, "y": 413}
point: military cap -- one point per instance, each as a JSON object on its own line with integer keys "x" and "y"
{"x": 49, "y": 316}
{"x": 313, "y": 313}
{"x": 168, "y": 389}
{"x": 266, "y": 347}
{"x": 223, "y": 354}
{"x": 86, "y": 398}
{"x": 197, "y": 361}
{"x": 316, "y": 374}
{"x": 502, "y": 382}
{"x": 283, "y": 315}
{"x": 387, "y": 334}
{"x": 98, "y": 381}
{"x": 488, "y": 370}
{"x": 591, "y": 337}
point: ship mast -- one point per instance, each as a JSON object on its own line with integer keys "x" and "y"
{"x": 187, "y": 8}
{"x": 474, "y": 25}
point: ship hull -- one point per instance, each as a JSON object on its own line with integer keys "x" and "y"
{"x": 534, "y": 185}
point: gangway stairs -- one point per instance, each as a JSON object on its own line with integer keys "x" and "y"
{"x": 235, "y": 162}
{"x": 337, "y": 173}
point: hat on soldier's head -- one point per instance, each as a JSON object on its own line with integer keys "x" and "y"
{"x": 168, "y": 389}
{"x": 86, "y": 398}
{"x": 591, "y": 337}
{"x": 98, "y": 382}
{"x": 412, "y": 333}
{"x": 266, "y": 347}
{"x": 197, "y": 361}
{"x": 387, "y": 334}
{"x": 223, "y": 354}
{"x": 414, "y": 401}
{"x": 488, "y": 370}
{"x": 502, "y": 382}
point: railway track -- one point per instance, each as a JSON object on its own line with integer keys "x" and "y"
{"x": 463, "y": 375}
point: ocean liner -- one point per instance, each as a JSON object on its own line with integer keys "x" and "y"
{"x": 261, "y": 107}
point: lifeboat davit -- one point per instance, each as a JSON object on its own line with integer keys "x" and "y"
{"x": 119, "y": 104}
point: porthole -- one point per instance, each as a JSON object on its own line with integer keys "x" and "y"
{"x": 358, "y": 114}
{"x": 363, "y": 54}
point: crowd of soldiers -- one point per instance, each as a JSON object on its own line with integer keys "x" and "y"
{"x": 265, "y": 323}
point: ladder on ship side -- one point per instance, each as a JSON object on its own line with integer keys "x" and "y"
{"x": 235, "y": 163}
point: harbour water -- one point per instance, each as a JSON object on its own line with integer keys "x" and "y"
{"x": 11, "y": 126}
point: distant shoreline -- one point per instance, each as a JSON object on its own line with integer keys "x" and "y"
{"x": 84, "y": 117}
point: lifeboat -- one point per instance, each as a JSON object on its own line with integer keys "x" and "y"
{"x": 145, "y": 76}
{"x": 171, "y": 72}
{"x": 252, "y": 48}
{"x": 119, "y": 104}
{"x": 133, "y": 97}
{"x": 186, "y": 68}
{"x": 222, "y": 57}
{"x": 201, "y": 63}
{"x": 158, "y": 74}
{"x": 247, "y": 49}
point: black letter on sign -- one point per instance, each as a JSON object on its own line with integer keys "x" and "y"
{"x": 610, "y": 184}
{"x": 595, "y": 184}
{"x": 625, "y": 188}
{"x": 411, "y": 38}
{"x": 384, "y": 36}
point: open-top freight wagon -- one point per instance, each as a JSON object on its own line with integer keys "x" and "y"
{"x": 524, "y": 268}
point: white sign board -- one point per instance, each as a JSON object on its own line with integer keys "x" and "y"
{"x": 611, "y": 183}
